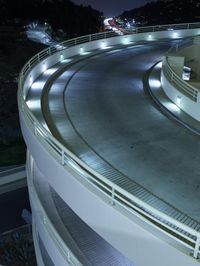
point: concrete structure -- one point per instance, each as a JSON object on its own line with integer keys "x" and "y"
{"x": 102, "y": 173}
{"x": 12, "y": 178}
{"x": 180, "y": 77}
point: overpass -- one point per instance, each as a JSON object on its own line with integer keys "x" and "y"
{"x": 107, "y": 170}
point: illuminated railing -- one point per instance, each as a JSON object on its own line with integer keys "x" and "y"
{"x": 175, "y": 229}
{"x": 169, "y": 27}
{"x": 104, "y": 35}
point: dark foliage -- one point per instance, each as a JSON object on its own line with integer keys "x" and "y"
{"x": 166, "y": 12}
{"x": 61, "y": 14}
{"x": 17, "y": 249}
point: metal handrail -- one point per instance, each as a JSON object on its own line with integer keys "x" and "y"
{"x": 168, "y": 27}
{"x": 175, "y": 229}
{"x": 12, "y": 170}
{"x": 181, "y": 85}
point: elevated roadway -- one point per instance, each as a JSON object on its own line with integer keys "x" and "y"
{"x": 116, "y": 129}
{"x": 97, "y": 140}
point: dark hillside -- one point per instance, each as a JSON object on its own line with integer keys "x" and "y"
{"x": 60, "y": 14}
{"x": 166, "y": 12}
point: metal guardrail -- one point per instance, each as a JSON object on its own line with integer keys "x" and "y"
{"x": 180, "y": 232}
{"x": 179, "y": 83}
{"x": 168, "y": 27}
{"x": 12, "y": 170}
{"x": 180, "y": 45}
{"x": 12, "y": 178}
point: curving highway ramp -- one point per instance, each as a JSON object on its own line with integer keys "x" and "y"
{"x": 115, "y": 127}
{"x": 98, "y": 106}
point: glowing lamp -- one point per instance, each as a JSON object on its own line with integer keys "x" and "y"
{"x": 178, "y": 100}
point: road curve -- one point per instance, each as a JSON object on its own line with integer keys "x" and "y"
{"x": 102, "y": 100}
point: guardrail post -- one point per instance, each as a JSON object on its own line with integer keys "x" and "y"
{"x": 195, "y": 95}
{"x": 49, "y": 51}
{"x": 63, "y": 157}
{"x": 197, "y": 245}
{"x": 172, "y": 76}
{"x": 113, "y": 197}
{"x": 44, "y": 220}
{"x": 22, "y": 106}
{"x": 35, "y": 128}
{"x": 68, "y": 256}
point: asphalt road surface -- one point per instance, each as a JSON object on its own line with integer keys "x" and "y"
{"x": 104, "y": 102}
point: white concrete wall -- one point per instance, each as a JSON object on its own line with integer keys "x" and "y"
{"x": 49, "y": 244}
{"x": 177, "y": 63}
{"x": 128, "y": 234}
{"x": 187, "y": 105}
{"x": 36, "y": 244}
{"x": 192, "y": 59}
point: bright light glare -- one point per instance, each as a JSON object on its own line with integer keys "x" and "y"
{"x": 155, "y": 83}
{"x": 126, "y": 40}
{"x": 172, "y": 107}
{"x": 107, "y": 47}
{"x": 30, "y": 80}
{"x": 82, "y": 52}
{"x": 75, "y": 166}
{"x": 103, "y": 45}
{"x": 66, "y": 60}
{"x": 61, "y": 57}
{"x": 175, "y": 34}
{"x": 38, "y": 85}
{"x": 150, "y": 37}
{"x": 59, "y": 47}
{"x": 85, "y": 53}
{"x": 44, "y": 67}
{"x": 159, "y": 65}
{"x": 33, "y": 104}
{"x": 50, "y": 71}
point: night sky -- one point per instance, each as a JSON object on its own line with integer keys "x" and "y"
{"x": 112, "y": 7}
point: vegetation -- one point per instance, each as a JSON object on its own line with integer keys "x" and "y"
{"x": 16, "y": 248}
{"x": 60, "y": 14}
{"x": 13, "y": 153}
{"x": 12, "y": 59}
{"x": 63, "y": 16}
{"x": 166, "y": 12}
